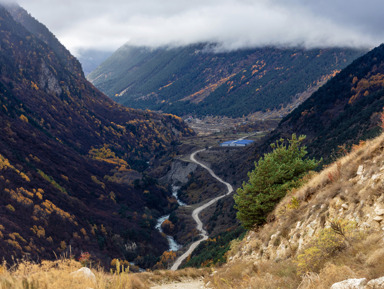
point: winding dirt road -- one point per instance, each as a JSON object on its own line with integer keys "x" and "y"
{"x": 196, "y": 212}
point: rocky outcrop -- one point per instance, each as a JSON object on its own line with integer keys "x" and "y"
{"x": 360, "y": 284}
{"x": 178, "y": 174}
{"x": 375, "y": 284}
{"x": 348, "y": 190}
{"x": 350, "y": 284}
{"x": 48, "y": 81}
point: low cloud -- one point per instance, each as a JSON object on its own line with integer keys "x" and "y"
{"x": 106, "y": 25}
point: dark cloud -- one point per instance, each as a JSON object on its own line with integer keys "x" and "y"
{"x": 233, "y": 23}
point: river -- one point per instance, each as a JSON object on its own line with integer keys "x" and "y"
{"x": 173, "y": 245}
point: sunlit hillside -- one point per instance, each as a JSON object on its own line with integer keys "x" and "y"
{"x": 327, "y": 231}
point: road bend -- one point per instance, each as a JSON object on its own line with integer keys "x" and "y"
{"x": 196, "y": 212}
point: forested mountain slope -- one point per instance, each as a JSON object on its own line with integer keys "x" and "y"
{"x": 344, "y": 110}
{"x": 196, "y": 78}
{"x": 70, "y": 158}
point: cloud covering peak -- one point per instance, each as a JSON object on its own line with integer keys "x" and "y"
{"x": 106, "y": 25}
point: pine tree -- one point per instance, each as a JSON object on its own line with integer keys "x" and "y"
{"x": 274, "y": 175}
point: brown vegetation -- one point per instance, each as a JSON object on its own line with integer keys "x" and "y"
{"x": 57, "y": 275}
{"x": 322, "y": 233}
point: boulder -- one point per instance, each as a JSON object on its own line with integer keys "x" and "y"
{"x": 379, "y": 212}
{"x": 375, "y": 284}
{"x": 378, "y": 219}
{"x": 350, "y": 284}
{"x": 84, "y": 273}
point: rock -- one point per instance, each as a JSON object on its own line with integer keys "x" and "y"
{"x": 350, "y": 284}
{"x": 344, "y": 206}
{"x": 310, "y": 232}
{"x": 375, "y": 176}
{"x": 378, "y": 219}
{"x": 379, "y": 212}
{"x": 375, "y": 284}
{"x": 84, "y": 273}
{"x": 360, "y": 170}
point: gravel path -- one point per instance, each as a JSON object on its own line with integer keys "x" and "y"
{"x": 196, "y": 284}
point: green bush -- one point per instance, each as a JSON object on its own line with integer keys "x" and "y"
{"x": 274, "y": 175}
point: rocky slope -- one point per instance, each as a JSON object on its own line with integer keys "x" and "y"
{"x": 195, "y": 78}
{"x": 72, "y": 160}
{"x": 329, "y": 230}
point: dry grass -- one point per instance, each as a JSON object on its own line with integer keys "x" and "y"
{"x": 363, "y": 259}
{"x": 57, "y": 275}
{"x": 243, "y": 274}
{"x": 167, "y": 276}
{"x": 329, "y": 275}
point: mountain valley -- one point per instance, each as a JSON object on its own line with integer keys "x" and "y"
{"x": 85, "y": 178}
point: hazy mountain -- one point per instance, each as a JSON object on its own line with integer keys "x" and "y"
{"x": 196, "y": 79}
{"x": 70, "y": 158}
{"x": 90, "y": 59}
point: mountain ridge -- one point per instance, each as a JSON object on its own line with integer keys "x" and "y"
{"x": 343, "y": 111}
{"x": 194, "y": 78}
{"x": 71, "y": 158}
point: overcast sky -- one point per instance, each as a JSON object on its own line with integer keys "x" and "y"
{"x": 106, "y": 25}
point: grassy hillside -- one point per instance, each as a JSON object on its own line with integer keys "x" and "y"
{"x": 327, "y": 231}
{"x": 195, "y": 78}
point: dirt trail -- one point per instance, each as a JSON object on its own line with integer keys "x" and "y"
{"x": 196, "y": 212}
{"x": 196, "y": 284}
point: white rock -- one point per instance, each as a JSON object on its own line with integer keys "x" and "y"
{"x": 300, "y": 244}
{"x": 85, "y": 273}
{"x": 379, "y": 211}
{"x": 323, "y": 206}
{"x": 313, "y": 224}
{"x": 375, "y": 176}
{"x": 378, "y": 219}
{"x": 376, "y": 283}
{"x": 344, "y": 206}
{"x": 310, "y": 232}
{"x": 350, "y": 284}
{"x": 360, "y": 170}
